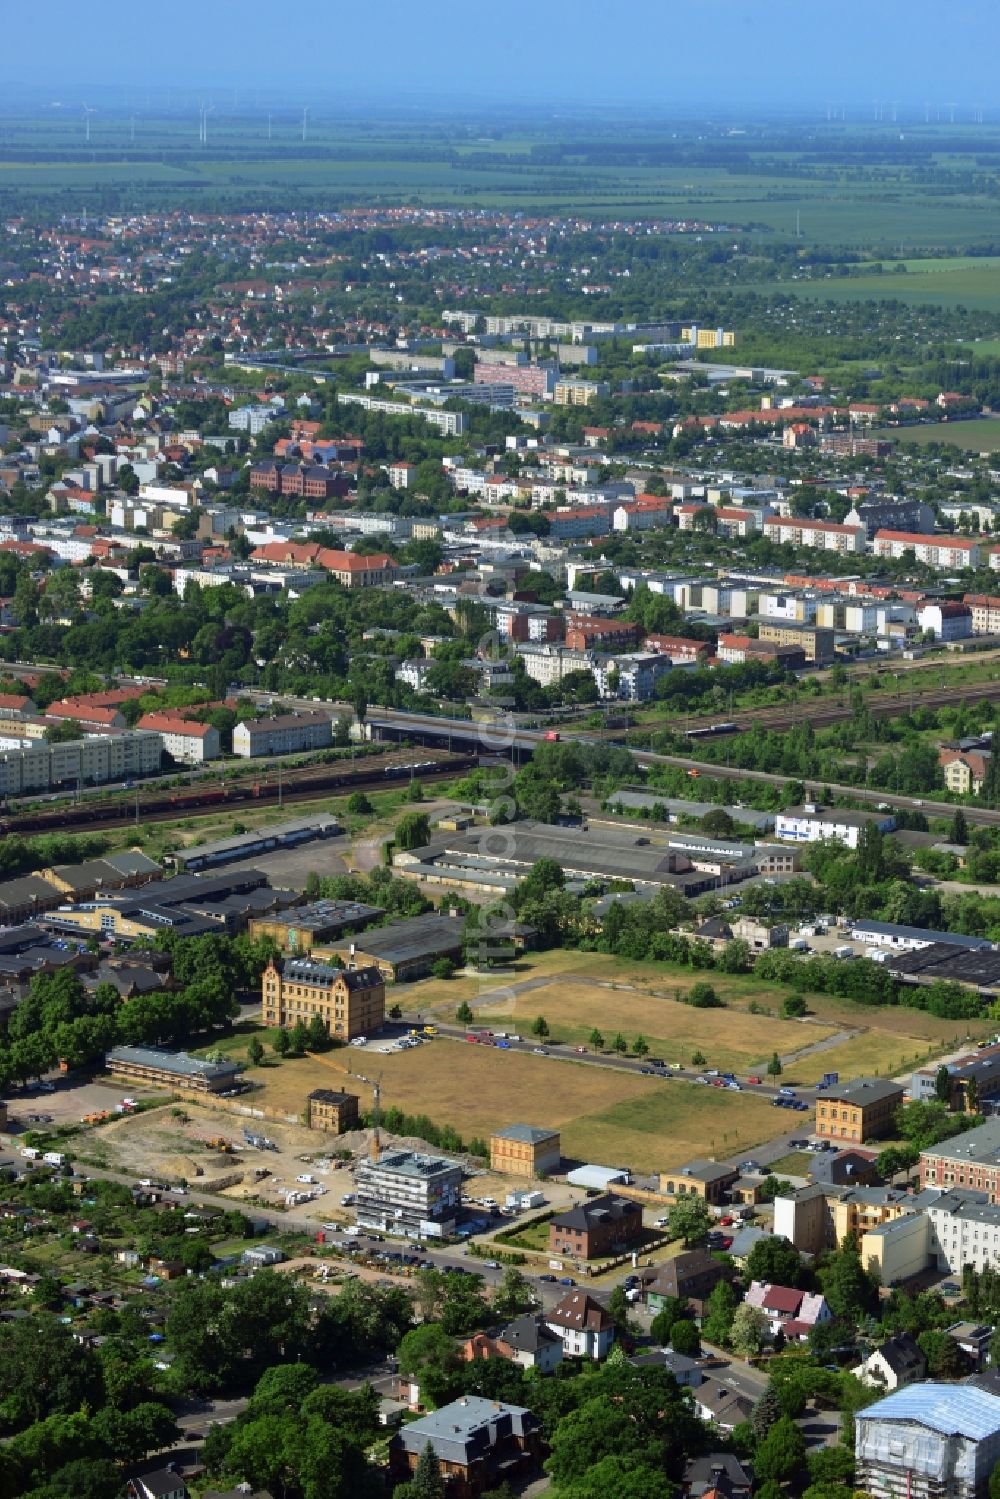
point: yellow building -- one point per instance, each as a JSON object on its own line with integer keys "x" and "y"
{"x": 899, "y": 1249}
{"x": 574, "y": 392}
{"x": 336, "y": 1113}
{"x": 349, "y": 1001}
{"x": 864, "y": 1109}
{"x": 524, "y": 1150}
{"x": 815, "y": 642}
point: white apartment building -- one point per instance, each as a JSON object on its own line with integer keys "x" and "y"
{"x": 451, "y": 423}
{"x": 97, "y": 757}
{"x": 286, "y": 734}
{"x": 945, "y": 553}
{"x": 964, "y": 1230}
{"x": 946, "y": 621}
{"x": 797, "y": 608}
{"x": 548, "y": 664}
{"x": 187, "y": 741}
{"x": 825, "y": 535}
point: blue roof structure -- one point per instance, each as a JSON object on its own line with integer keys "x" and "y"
{"x": 953, "y": 1410}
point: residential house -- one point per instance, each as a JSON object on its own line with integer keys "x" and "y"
{"x": 525, "y": 1341}
{"x": 584, "y": 1325}
{"x": 598, "y": 1226}
{"x": 718, "y": 1474}
{"x": 721, "y": 1406}
{"x": 478, "y": 1443}
{"x": 691, "y": 1276}
{"x": 161, "y": 1483}
{"x": 792, "y": 1312}
{"x": 897, "y": 1361}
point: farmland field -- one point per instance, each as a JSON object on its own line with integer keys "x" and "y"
{"x": 981, "y": 435}
{"x": 603, "y": 162}
{"x": 961, "y": 282}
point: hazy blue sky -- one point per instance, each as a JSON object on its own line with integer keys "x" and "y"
{"x": 684, "y": 51}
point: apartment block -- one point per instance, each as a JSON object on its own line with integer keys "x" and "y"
{"x": 286, "y": 734}
{"x": 404, "y": 1192}
{"x": 945, "y": 553}
{"x": 816, "y": 643}
{"x": 824, "y": 535}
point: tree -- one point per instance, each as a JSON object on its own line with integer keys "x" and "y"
{"x": 513, "y": 1295}
{"x": 776, "y": 1262}
{"x": 413, "y": 830}
{"x": 596, "y": 1040}
{"x": 793, "y": 1006}
{"x": 426, "y": 1482}
{"x": 717, "y": 1323}
{"x": 540, "y": 1027}
{"x": 684, "y": 1338}
{"x": 358, "y": 804}
{"x": 971, "y": 1096}
{"x": 464, "y": 1013}
{"x": 774, "y": 1068}
{"x": 766, "y": 1413}
{"x": 618, "y": 1309}
{"x": 782, "y": 1452}
{"x": 640, "y": 1046}
{"x": 673, "y": 1309}
{"x": 280, "y": 1043}
{"x": 690, "y": 1219}
{"x": 703, "y": 997}
{"x": 255, "y": 1050}
{"x": 619, "y": 1044}
{"x": 850, "y": 1292}
{"x": 749, "y": 1331}
{"x": 443, "y": 968}
{"x": 959, "y": 832}
{"x": 430, "y": 1357}
{"x": 942, "y": 1084}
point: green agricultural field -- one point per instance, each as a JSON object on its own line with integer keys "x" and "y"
{"x": 962, "y": 282}
{"x": 978, "y": 436}
{"x": 606, "y": 165}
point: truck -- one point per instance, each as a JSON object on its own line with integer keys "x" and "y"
{"x": 846, "y": 951}
{"x": 551, "y": 736}
{"x": 54, "y": 1158}
{"x": 828, "y": 1080}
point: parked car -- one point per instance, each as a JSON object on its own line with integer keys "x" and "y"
{"x": 755, "y": 1081}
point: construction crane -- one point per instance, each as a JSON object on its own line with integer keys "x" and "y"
{"x": 375, "y": 1084}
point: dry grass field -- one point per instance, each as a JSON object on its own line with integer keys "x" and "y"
{"x": 730, "y": 1039}
{"x": 604, "y": 1115}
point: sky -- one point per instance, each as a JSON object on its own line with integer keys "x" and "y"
{"x": 457, "y": 52}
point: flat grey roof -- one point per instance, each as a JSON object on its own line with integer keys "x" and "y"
{"x": 864, "y": 1090}
{"x": 528, "y": 1134}
{"x": 171, "y": 1061}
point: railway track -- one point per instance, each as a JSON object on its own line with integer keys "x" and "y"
{"x": 312, "y": 784}
{"x": 820, "y": 715}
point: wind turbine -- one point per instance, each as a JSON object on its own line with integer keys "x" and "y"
{"x": 305, "y": 122}
{"x": 87, "y": 112}
{"x": 269, "y": 126}
{"x": 951, "y": 109}
{"x": 895, "y": 106}
{"x": 131, "y": 128}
